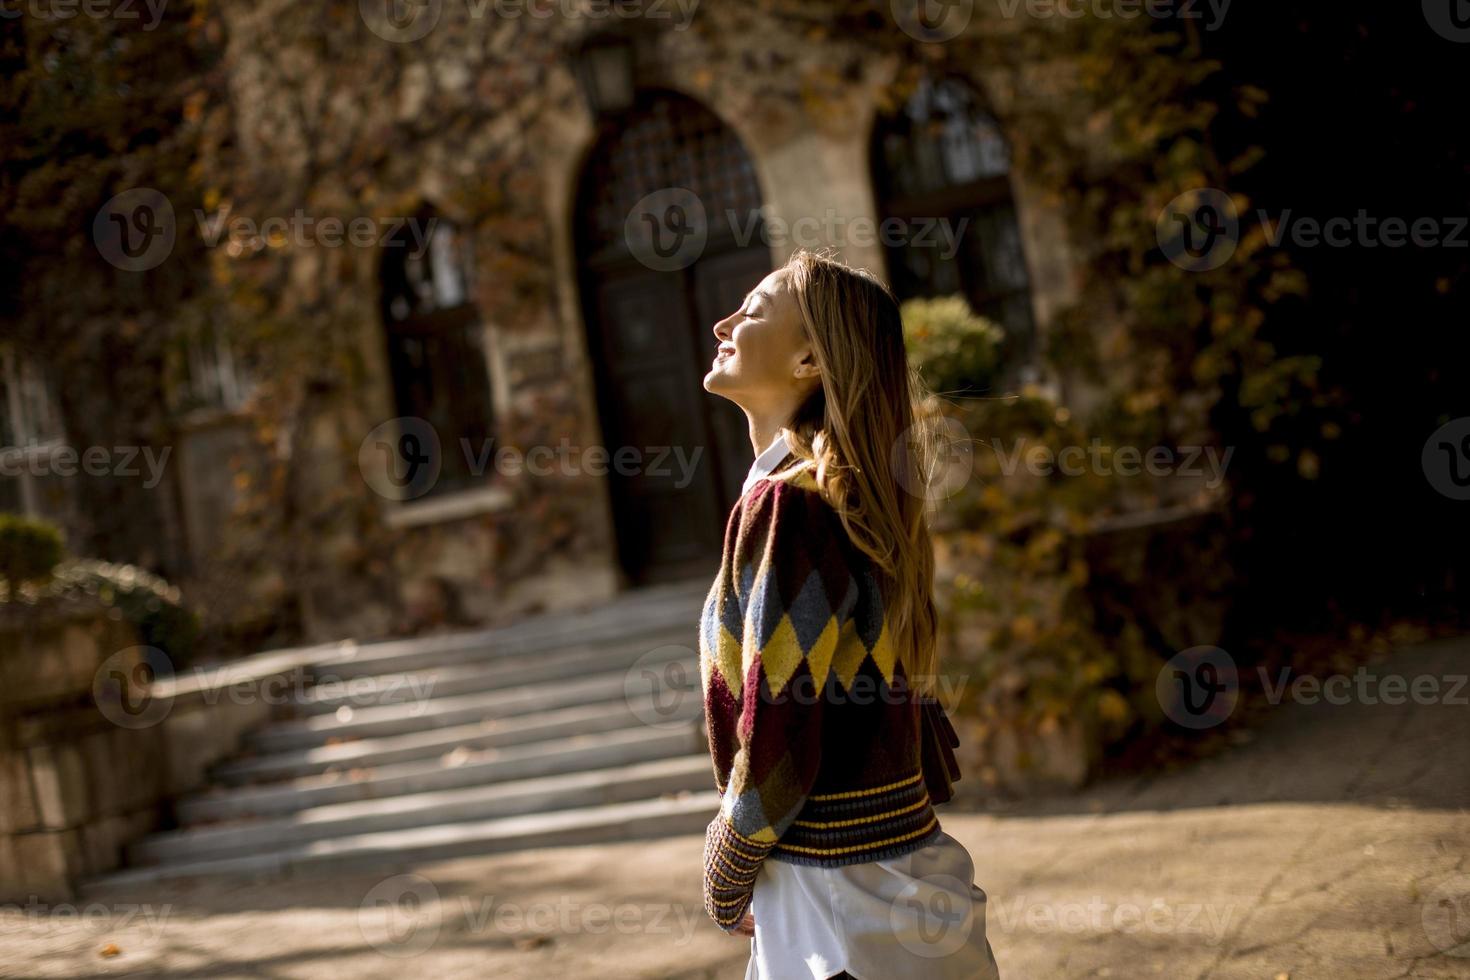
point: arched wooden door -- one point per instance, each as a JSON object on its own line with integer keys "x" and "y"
{"x": 650, "y": 296}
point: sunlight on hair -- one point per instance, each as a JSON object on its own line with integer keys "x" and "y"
{"x": 876, "y": 434}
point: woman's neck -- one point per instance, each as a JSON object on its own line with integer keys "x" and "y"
{"x": 764, "y": 429}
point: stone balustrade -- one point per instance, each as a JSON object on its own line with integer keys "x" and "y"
{"x": 81, "y": 773}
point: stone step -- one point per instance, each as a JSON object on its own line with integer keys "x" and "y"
{"x": 475, "y": 768}
{"x": 371, "y": 753}
{"x": 404, "y": 849}
{"x": 653, "y": 649}
{"x": 639, "y": 614}
{"x": 620, "y": 784}
{"x": 397, "y": 719}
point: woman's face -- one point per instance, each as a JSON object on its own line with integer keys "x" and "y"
{"x": 763, "y": 359}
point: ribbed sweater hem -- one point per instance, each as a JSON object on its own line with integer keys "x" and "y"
{"x": 857, "y": 857}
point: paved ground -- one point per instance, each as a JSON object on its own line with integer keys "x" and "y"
{"x": 1331, "y": 844}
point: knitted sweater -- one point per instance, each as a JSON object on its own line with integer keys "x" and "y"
{"x": 813, "y": 730}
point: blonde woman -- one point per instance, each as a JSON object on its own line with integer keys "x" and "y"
{"x": 815, "y": 640}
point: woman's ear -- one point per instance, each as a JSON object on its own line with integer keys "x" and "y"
{"x": 807, "y": 366}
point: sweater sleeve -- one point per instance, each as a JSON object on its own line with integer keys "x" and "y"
{"x": 796, "y": 590}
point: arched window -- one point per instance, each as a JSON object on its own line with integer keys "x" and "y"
{"x": 435, "y": 340}
{"x": 941, "y": 163}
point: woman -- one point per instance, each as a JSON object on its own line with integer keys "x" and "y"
{"x": 815, "y": 640}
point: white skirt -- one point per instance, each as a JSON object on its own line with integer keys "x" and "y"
{"x": 917, "y": 915}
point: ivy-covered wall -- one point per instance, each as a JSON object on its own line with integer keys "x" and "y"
{"x": 318, "y": 111}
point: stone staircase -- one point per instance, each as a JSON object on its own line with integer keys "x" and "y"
{"x": 560, "y": 729}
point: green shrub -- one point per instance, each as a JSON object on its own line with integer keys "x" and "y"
{"x": 35, "y": 572}
{"x": 1019, "y": 569}
{"x": 955, "y": 350}
{"x": 29, "y": 550}
{"x": 146, "y": 600}
{"x": 1053, "y": 621}
{"x": 153, "y": 606}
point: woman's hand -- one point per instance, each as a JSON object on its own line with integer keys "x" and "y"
{"x": 746, "y": 926}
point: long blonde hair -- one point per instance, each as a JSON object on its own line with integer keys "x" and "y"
{"x": 870, "y": 443}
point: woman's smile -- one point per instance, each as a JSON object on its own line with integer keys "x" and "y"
{"x": 759, "y": 350}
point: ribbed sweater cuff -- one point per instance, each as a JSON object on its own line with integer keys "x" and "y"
{"x": 731, "y": 863}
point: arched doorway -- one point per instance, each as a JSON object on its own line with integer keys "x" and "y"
{"x": 649, "y": 301}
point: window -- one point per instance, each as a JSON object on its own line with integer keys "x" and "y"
{"x": 942, "y": 159}
{"x": 30, "y": 434}
{"x": 210, "y": 377}
{"x": 435, "y": 341}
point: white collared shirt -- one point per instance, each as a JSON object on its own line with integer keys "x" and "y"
{"x": 766, "y": 462}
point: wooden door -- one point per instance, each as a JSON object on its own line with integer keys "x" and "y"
{"x": 667, "y": 516}
{"x": 650, "y": 332}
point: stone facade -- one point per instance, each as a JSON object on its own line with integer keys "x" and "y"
{"x": 481, "y": 119}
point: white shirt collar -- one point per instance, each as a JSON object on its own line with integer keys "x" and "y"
{"x": 766, "y": 462}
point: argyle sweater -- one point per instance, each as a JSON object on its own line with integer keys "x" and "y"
{"x": 813, "y": 731}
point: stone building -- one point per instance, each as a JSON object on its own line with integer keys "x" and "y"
{"x": 563, "y": 205}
